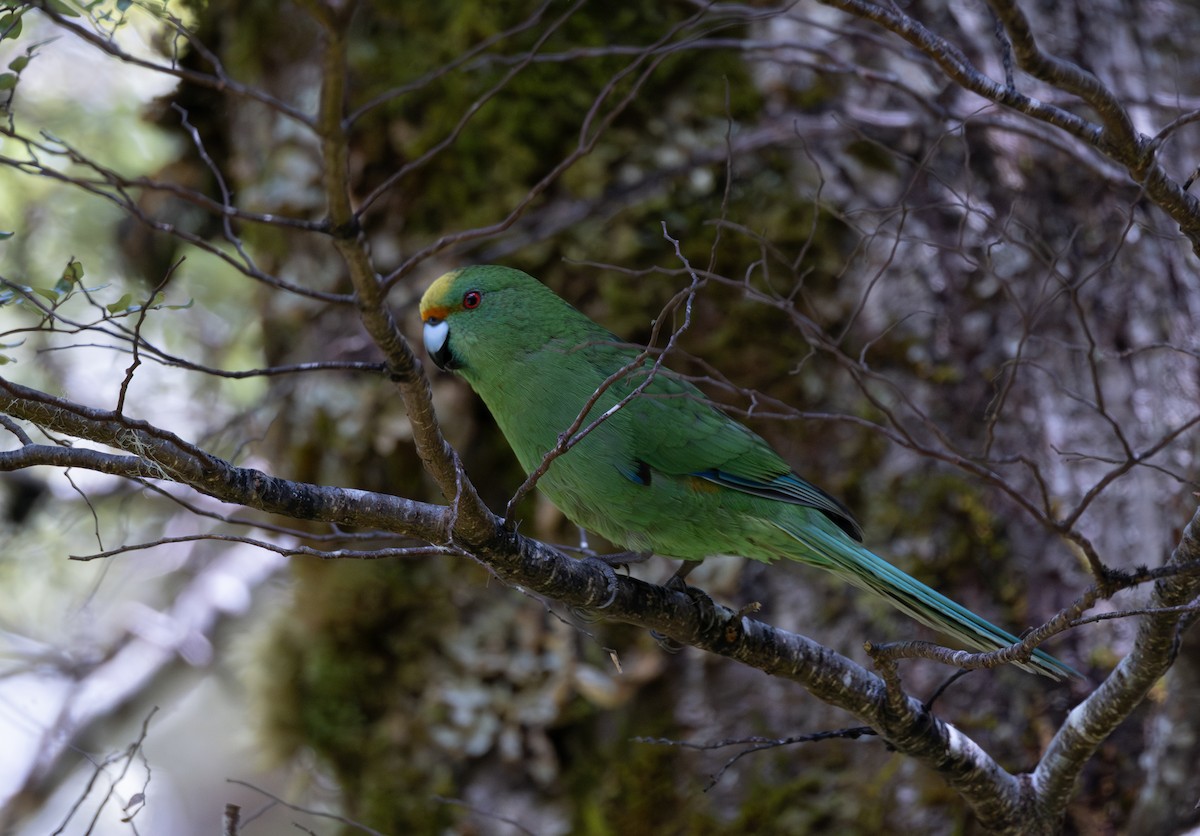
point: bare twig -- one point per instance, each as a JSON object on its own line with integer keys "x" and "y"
{"x": 308, "y": 811}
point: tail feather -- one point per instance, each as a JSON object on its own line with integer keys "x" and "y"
{"x": 832, "y": 550}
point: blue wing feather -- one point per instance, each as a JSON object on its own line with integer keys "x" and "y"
{"x": 789, "y": 488}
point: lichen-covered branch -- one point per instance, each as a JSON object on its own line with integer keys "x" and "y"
{"x": 1114, "y": 136}
{"x": 689, "y": 619}
{"x": 156, "y": 453}
{"x": 1154, "y": 647}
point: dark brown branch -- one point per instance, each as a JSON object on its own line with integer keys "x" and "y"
{"x": 959, "y": 69}
{"x": 1119, "y": 137}
{"x": 159, "y": 454}
{"x": 474, "y": 521}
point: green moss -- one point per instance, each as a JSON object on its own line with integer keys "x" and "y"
{"x": 642, "y": 795}
{"x": 810, "y": 803}
{"x": 345, "y": 678}
{"x": 522, "y": 126}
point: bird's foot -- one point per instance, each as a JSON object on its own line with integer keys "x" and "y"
{"x": 666, "y": 642}
{"x": 677, "y": 581}
{"x": 610, "y": 579}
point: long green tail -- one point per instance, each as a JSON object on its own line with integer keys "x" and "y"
{"x": 836, "y": 552}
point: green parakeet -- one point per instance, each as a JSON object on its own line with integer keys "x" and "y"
{"x": 667, "y": 472}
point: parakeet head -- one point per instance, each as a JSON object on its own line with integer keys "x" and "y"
{"x": 490, "y": 314}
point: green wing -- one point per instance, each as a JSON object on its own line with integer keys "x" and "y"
{"x": 676, "y": 431}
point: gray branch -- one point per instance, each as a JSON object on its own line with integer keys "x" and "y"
{"x": 1003, "y": 801}
{"x": 1114, "y": 136}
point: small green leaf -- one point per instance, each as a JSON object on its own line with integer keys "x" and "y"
{"x": 5, "y": 360}
{"x": 10, "y": 26}
{"x": 19, "y": 63}
{"x": 71, "y": 276}
{"x": 4, "y": 236}
{"x": 8, "y": 81}
{"x": 73, "y": 272}
{"x": 47, "y": 293}
{"x": 121, "y": 305}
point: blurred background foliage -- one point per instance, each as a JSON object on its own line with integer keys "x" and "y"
{"x": 846, "y": 202}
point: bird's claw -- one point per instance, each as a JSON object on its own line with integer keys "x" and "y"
{"x": 699, "y": 598}
{"x": 677, "y": 581}
{"x": 667, "y": 643}
{"x": 610, "y": 578}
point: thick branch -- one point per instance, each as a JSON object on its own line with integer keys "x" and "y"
{"x": 686, "y": 618}
{"x": 1154, "y": 647}
{"x": 1119, "y": 137}
{"x": 694, "y": 619}
{"x": 1001, "y": 800}
{"x": 961, "y": 71}
{"x": 156, "y": 453}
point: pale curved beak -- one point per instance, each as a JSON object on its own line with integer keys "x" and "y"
{"x": 437, "y": 343}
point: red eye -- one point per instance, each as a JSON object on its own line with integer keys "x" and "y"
{"x": 471, "y": 299}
